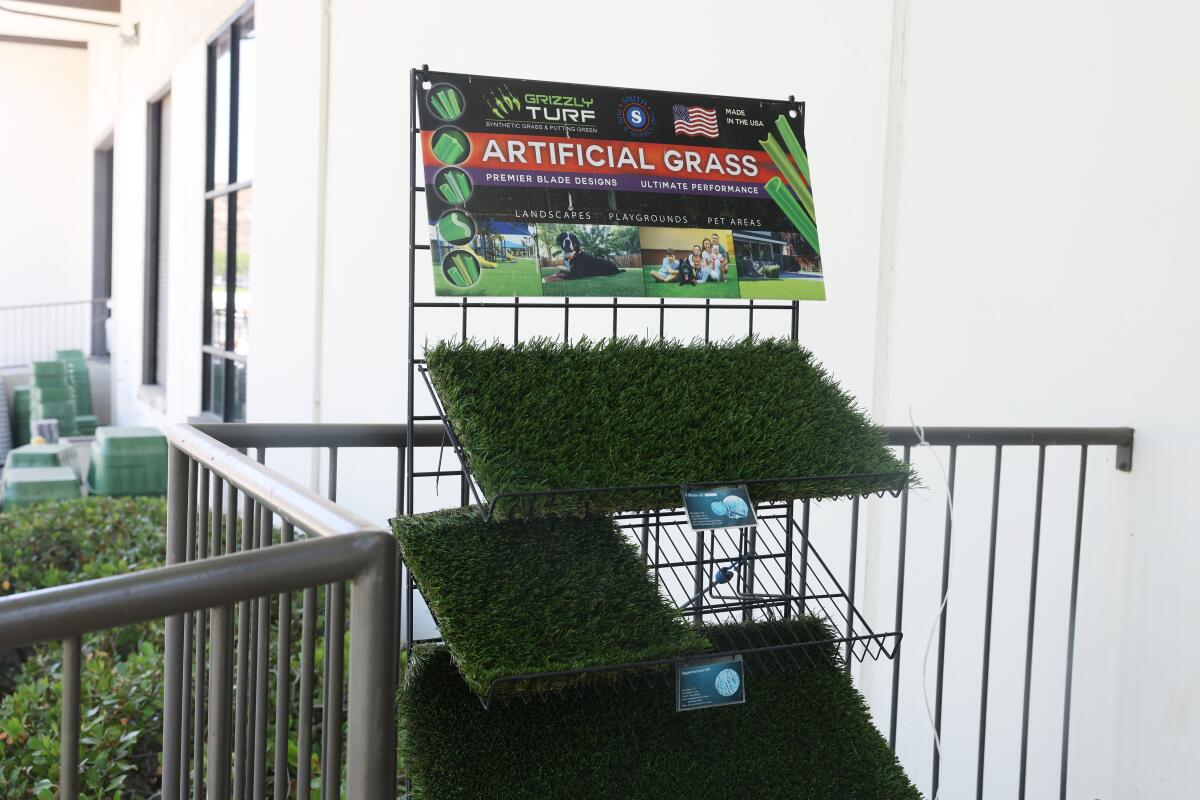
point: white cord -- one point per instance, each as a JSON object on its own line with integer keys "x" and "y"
{"x": 937, "y": 741}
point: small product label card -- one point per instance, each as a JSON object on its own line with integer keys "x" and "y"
{"x": 713, "y": 682}
{"x": 718, "y": 507}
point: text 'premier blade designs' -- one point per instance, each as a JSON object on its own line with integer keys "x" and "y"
{"x": 539, "y": 189}
{"x": 696, "y": 121}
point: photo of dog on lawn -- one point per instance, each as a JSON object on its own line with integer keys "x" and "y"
{"x": 590, "y": 260}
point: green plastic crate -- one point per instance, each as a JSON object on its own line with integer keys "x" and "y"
{"x": 86, "y": 424}
{"x": 128, "y": 461}
{"x": 79, "y": 379}
{"x": 53, "y": 394}
{"x": 52, "y": 370}
{"x": 25, "y": 487}
{"x": 63, "y": 412}
{"x": 39, "y": 455}
{"x": 20, "y": 428}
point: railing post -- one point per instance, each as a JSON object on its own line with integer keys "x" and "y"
{"x": 68, "y": 748}
{"x": 177, "y": 512}
{"x": 371, "y": 767}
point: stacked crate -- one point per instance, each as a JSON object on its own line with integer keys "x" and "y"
{"x": 80, "y": 380}
{"x": 6, "y": 442}
{"x": 40, "y": 455}
{"x": 21, "y": 410}
{"x": 30, "y": 485}
{"x": 52, "y": 397}
{"x": 128, "y": 461}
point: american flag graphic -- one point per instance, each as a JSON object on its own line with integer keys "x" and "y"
{"x": 695, "y": 121}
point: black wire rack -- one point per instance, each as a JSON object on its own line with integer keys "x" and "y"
{"x": 777, "y": 574}
{"x": 782, "y": 609}
{"x": 893, "y": 483}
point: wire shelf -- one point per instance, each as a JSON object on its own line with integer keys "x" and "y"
{"x": 893, "y": 483}
{"x": 782, "y": 610}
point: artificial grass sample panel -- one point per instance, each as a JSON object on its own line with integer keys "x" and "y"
{"x": 546, "y": 415}
{"x": 802, "y": 734}
{"x": 550, "y": 594}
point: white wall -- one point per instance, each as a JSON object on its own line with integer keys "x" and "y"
{"x": 44, "y": 167}
{"x": 1043, "y": 272}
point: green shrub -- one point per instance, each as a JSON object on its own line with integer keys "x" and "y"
{"x": 121, "y": 679}
{"x": 120, "y": 725}
{"x": 546, "y": 415}
{"x": 550, "y": 594}
{"x": 75, "y": 540}
{"x": 802, "y": 734}
{"x": 121, "y": 676}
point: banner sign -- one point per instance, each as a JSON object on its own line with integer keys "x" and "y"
{"x": 552, "y": 189}
{"x": 719, "y": 507}
{"x": 717, "y": 682}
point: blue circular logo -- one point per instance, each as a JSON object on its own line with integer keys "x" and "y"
{"x": 635, "y": 116}
{"x": 718, "y": 508}
{"x": 727, "y": 682}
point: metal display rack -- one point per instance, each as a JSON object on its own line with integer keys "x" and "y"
{"x": 777, "y": 573}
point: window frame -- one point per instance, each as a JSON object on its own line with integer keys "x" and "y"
{"x": 225, "y": 192}
{"x": 153, "y": 256}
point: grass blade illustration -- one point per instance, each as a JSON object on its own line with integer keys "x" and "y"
{"x": 793, "y": 145}
{"x": 448, "y": 149}
{"x": 790, "y": 172}
{"x": 786, "y": 201}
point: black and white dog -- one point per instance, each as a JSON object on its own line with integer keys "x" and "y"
{"x": 578, "y": 264}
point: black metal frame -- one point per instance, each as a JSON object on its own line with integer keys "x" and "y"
{"x": 224, "y": 192}
{"x": 795, "y": 589}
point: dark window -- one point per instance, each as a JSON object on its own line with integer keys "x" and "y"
{"x": 228, "y": 215}
{"x": 158, "y": 183}
{"x": 102, "y": 200}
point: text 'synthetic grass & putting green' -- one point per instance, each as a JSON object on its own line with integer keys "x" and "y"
{"x": 513, "y": 598}
{"x": 543, "y": 415}
{"x": 803, "y": 734}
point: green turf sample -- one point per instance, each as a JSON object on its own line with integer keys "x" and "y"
{"x": 786, "y": 201}
{"x": 544, "y": 415}
{"x": 802, "y": 734}
{"x": 514, "y": 598}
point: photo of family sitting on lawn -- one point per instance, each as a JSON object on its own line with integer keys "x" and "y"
{"x": 689, "y": 262}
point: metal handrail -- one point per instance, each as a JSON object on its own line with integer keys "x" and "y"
{"x": 23, "y": 306}
{"x": 292, "y": 501}
{"x": 46, "y": 615}
{"x": 341, "y": 546}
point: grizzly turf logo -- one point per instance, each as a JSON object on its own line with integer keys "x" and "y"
{"x": 502, "y": 102}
